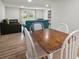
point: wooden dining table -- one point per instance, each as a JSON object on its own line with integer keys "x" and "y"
{"x": 49, "y": 39}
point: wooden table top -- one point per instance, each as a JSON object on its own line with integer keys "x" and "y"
{"x": 50, "y": 40}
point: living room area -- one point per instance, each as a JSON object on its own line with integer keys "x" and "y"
{"x": 13, "y": 16}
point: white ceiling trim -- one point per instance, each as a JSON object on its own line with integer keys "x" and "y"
{"x": 7, "y": 5}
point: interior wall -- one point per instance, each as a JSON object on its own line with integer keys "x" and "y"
{"x": 12, "y": 12}
{"x": 2, "y": 11}
{"x": 66, "y": 11}
{"x": 39, "y": 14}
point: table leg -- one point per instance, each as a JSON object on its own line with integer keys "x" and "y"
{"x": 50, "y": 56}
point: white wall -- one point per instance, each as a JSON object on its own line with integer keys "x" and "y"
{"x": 39, "y": 14}
{"x": 2, "y": 11}
{"x": 12, "y": 12}
{"x": 66, "y": 11}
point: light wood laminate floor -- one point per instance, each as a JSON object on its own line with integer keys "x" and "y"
{"x": 12, "y": 47}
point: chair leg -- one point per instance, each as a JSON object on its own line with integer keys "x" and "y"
{"x": 50, "y": 56}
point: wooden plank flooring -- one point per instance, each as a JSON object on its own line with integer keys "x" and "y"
{"x": 12, "y": 46}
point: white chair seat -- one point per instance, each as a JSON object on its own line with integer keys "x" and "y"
{"x": 40, "y": 51}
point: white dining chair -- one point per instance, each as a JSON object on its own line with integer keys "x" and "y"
{"x": 36, "y": 26}
{"x": 60, "y": 27}
{"x": 33, "y": 51}
{"x": 69, "y": 48}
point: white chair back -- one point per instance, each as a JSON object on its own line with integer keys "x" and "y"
{"x": 70, "y": 46}
{"x": 60, "y": 27}
{"x": 31, "y": 52}
{"x": 36, "y": 26}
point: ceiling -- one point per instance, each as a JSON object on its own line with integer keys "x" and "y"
{"x": 34, "y": 3}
